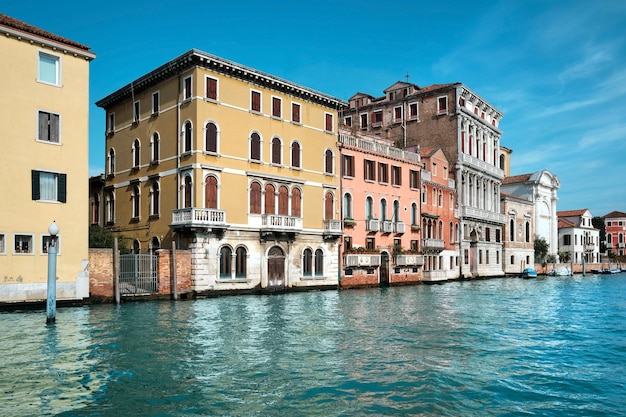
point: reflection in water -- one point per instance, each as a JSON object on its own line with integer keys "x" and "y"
{"x": 504, "y": 346}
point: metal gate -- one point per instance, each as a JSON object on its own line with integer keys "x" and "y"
{"x": 138, "y": 274}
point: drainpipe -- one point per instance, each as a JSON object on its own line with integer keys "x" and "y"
{"x": 340, "y": 244}
{"x": 178, "y": 152}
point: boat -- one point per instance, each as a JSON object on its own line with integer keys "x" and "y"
{"x": 560, "y": 271}
{"x": 611, "y": 270}
{"x": 529, "y": 273}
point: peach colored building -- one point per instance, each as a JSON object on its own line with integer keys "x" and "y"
{"x": 615, "y": 226}
{"x": 380, "y": 190}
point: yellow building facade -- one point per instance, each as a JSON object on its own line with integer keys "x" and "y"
{"x": 44, "y": 80}
{"x": 232, "y": 163}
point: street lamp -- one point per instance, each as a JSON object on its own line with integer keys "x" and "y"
{"x": 53, "y": 230}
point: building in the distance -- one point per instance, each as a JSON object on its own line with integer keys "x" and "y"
{"x": 518, "y": 234}
{"x": 237, "y": 165}
{"x": 578, "y": 237}
{"x": 44, "y": 137}
{"x": 615, "y": 228}
{"x": 466, "y": 128}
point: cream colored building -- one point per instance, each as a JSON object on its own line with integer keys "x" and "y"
{"x": 239, "y": 166}
{"x": 518, "y": 240}
{"x": 44, "y": 103}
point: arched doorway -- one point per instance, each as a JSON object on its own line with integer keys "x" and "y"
{"x": 384, "y": 269}
{"x": 276, "y": 269}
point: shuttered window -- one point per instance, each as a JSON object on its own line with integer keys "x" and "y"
{"x": 211, "y": 88}
{"x": 255, "y": 147}
{"x": 49, "y": 127}
{"x": 276, "y": 145}
{"x": 255, "y": 198}
{"x": 211, "y": 137}
{"x": 295, "y": 113}
{"x": 295, "y": 155}
{"x": 276, "y": 107}
{"x": 270, "y": 205}
{"x": 255, "y": 101}
{"x": 49, "y": 186}
{"x": 296, "y": 203}
{"x": 210, "y": 193}
{"x": 283, "y": 201}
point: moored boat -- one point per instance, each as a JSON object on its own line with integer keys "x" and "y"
{"x": 529, "y": 273}
{"x": 560, "y": 271}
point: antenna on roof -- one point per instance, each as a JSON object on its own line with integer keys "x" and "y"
{"x": 407, "y": 76}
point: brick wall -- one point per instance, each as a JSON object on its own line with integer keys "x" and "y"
{"x": 359, "y": 278}
{"x": 183, "y": 271}
{"x": 407, "y": 276}
{"x": 101, "y": 273}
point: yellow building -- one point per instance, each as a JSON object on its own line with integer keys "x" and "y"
{"x": 232, "y": 163}
{"x": 44, "y": 80}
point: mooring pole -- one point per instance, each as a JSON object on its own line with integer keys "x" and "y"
{"x": 51, "y": 301}
{"x": 174, "y": 272}
{"x": 116, "y": 273}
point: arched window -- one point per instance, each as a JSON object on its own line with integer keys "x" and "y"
{"x": 424, "y": 195}
{"x": 369, "y": 208}
{"x": 225, "y": 262}
{"x": 110, "y": 207}
{"x": 210, "y": 137}
{"x": 136, "y": 247}
{"x": 154, "y": 145}
{"x": 396, "y": 211}
{"x": 210, "y": 192}
{"x": 111, "y": 161}
{"x": 527, "y": 231}
{"x": 255, "y": 198}
{"x": 307, "y": 262}
{"x": 296, "y": 202}
{"x": 451, "y": 232}
{"x": 328, "y": 161}
{"x": 95, "y": 216}
{"x": 414, "y": 215}
{"x": 187, "y": 133}
{"x": 255, "y": 147}
{"x": 512, "y": 230}
{"x": 502, "y": 161}
{"x": 154, "y": 198}
{"x": 241, "y": 262}
{"x": 283, "y": 201}
{"x": 187, "y": 192}
{"x": 135, "y": 201}
{"x": 440, "y": 230}
{"x": 136, "y": 153}
{"x": 270, "y": 204}
{"x": 440, "y": 198}
{"x": 347, "y": 205}
{"x": 328, "y": 206}
{"x": 155, "y": 244}
{"x": 383, "y": 209}
{"x": 295, "y": 154}
{"x": 276, "y": 151}
{"x": 319, "y": 262}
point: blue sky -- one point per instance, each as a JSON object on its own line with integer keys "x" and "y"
{"x": 556, "y": 69}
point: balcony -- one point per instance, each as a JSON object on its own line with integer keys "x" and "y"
{"x": 481, "y": 165}
{"x": 372, "y": 225}
{"x": 432, "y": 244}
{"x": 332, "y": 228}
{"x": 281, "y": 223}
{"x": 410, "y": 260}
{"x": 387, "y": 226}
{"x": 203, "y": 218}
{"x": 589, "y": 247}
{"x": 364, "y": 260}
{"x": 435, "y": 276}
{"x": 370, "y": 145}
{"x": 621, "y": 245}
{"x": 483, "y": 215}
{"x": 399, "y": 228}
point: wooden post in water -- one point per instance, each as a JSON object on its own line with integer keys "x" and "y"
{"x": 116, "y": 272}
{"x": 174, "y": 276}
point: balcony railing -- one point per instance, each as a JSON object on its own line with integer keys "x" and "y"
{"x": 332, "y": 227}
{"x": 621, "y": 245}
{"x": 410, "y": 260}
{"x": 198, "y": 217}
{"x": 279, "y": 222}
{"x": 399, "y": 228}
{"x": 481, "y": 165}
{"x": 589, "y": 247}
{"x": 432, "y": 244}
{"x": 435, "y": 275}
{"x": 386, "y": 226}
{"x": 354, "y": 259}
{"x": 378, "y": 147}
{"x": 480, "y": 214}
{"x": 372, "y": 225}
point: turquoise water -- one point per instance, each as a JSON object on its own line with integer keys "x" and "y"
{"x": 506, "y": 347}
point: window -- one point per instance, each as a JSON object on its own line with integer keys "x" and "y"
{"x": 296, "y": 202}
{"x": 210, "y": 137}
{"x": 295, "y": 154}
{"x": 369, "y": 208}
{"x": 347, "y": 243}
{"x": 49, "y": 70}
{"x": 109, "y": 202}
{"x": 445, "y": 173}
{"x": 49, "y": 186}
{"x": 241, "y": 261}
{"x": 156, "y": 103}
{"x": 255, "y": 101}
{"x": 135, "y": 201}
{"x": 277, "y": 105}
{"x": 347, "y": 205}
{"x": 369, "y": 170}
{"x": 270, "y": 203}
{"x": 497, "y": 235}
{"x": 225, "y": 263}
{"x": 46, "y": 242}
{"x": 487, "y": 234}
{"x": 136, "y": 112}
{"x": 440, "y": 198}
{"x": 111, "y": 162}
{"x": 255, "y": 198}
{"x": 383, "y": 209}
{"x": 414, "y": 221}
{"x": 414, "y": 246}
{"x": 397, "y": 114}
{"x": 567, "y": 240}
{"x": 396, "y": 175}
{"x": 23, "y": 244}
{"x": 136, "y": 153}
{"x": 348, "y": 166}
{"x": 414, "y": 179}
{"x": 328, "y": 122}
{"x": 295, "y": 113}
{"x": 111, "y": 123}
{"x": 347, "y": 121}
{"x": 187, "y": 133}
{"x": 49, "y": 127}
{"x": 328, "y": 161}
{"x": 319, "y": 262}
{"x": 413, "y": 111}
{"x": 154, "y": 147}
{"x": 434, "y": 169}
{"x": 283, "y": 201}
{"x": 383, "y": 173}
{"x": 377, "y": 118}
{"x": 424, "y": 195}
{"x": 442, "y": 105}
{"x": 307, "y": 263}
{"x": 363, "y": 120}
{"x": 187, "y": 93}
{"x": 370, "y": 243}
{"x": 527, "y": 227}
{"x": 187, "y": 191}
{"x": 154, "y": 199}
{"x": 512, "y": 230}
{"x": 210, "y": 192}
{"x": 276, "y": 151}
{"x": 2, "y": 244}
{"x": 329, "y": 206}
{"x": 95, "y": 209}
{"x": 255, "y": 147}
{"x": 211, "y": 88}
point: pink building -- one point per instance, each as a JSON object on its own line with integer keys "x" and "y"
{"x": 380, "y": 186}
{"x": 615, "y": 228}
{"x": 440, "y": 224}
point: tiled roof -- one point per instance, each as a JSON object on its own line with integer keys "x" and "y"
{"x": 434, "y": 87}
{"x": 25, "y": 27}
{"x": 571, "y": 213}
{"x": 516, "y": 179}
{"x": 614, "y": 215}
{"x": 565, "y": 223}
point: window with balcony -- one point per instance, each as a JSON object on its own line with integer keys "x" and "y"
{"x": 369, "y": 208}
{"x": 49, "y": 186}
{"x": 329, "y": 206}
{"x": 210, "y": 192}
{"x": 187, "y": 189}
{"x": 383, "y": 209}
{"x": 255, "y": 198}
{"x": 270, "y": 199}
{"x": 283, "y": 201}
{"x": 296, "y": 202}
{"x": 49, "y": 127}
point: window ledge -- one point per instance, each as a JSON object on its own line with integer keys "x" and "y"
{"x": 313, "y": 278}
{"x": 296, "y": 123}
{"x": 211, "y": 153}
{"x": 154, "y": 162}
{"x": 211, "y": 100}
{"x": 232, "y": 280}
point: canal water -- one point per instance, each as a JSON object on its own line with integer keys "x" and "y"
{"x": 550, "y": 346}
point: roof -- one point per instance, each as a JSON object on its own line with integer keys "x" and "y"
{"x": 514, "y": 197}
{"x": 18, "y": 25}
{"x": 614, "y": 215}
{"x": 516, "y": 179}
{"x": 565, "y": 224}
{"x": 571, "y": 213}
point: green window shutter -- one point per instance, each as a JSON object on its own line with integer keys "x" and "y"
{"x": 62, "y": 188}
{"x": 35, "y": 181}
